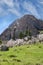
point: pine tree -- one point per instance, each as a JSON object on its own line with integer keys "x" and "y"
{"x": 21, "y": 35}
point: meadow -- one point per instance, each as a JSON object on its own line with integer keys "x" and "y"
{"x": 23, "y": 55}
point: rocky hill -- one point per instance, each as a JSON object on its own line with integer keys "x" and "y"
{"x": 27, "y": 22}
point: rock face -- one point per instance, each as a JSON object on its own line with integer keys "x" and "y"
{"x": 27, "y": 22}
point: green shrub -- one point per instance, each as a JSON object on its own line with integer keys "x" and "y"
{"x": 27, "y": 33}
{"x": 21, "y": 35}
{"x": 0, "y": 42}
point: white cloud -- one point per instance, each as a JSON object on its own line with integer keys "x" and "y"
{"x": 9, "y": 3}
{"x": 30, "y": 8}
{"x": 17, "y": 5}
{"x": 13, "y": 7}
{"x": 3, "y": 12}
{"x": 41, "y": 2}
{"x": 15, "y": 11}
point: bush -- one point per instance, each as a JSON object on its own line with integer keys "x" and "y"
{"x": 27, "y": 33}
{"x": 21, "y": 35}
{"x": 0, "y": 42}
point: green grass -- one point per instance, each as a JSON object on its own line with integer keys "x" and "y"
{"x": 23, "y": 55}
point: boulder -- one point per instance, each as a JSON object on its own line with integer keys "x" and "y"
{"x": 26, "y": 39}
{"x": 19, "y": 41}
{"x": 4, "y": 48}
{"x": 11, "y": 43}
{"x": 40, "y": 37}
{"x": 16, "y": 42}
{"x": 29, "y": 42}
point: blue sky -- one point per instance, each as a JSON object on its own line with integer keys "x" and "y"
{"x": 10, "y": 10}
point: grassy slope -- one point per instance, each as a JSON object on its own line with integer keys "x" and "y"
{"x": 23, "y": 55}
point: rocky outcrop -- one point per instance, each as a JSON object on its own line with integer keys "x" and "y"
{"x": 25, "y": 40}
{"x": 16, "y": 42}
{"x": 4, "y": 48}
{"x": 27, "y": 22}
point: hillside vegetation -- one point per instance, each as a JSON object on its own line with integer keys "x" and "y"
{"x": 23, "y": 55}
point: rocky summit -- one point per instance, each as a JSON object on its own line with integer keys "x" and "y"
{"x": 27, "y": 22}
